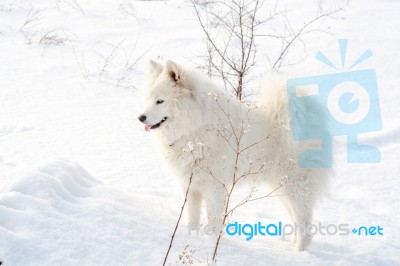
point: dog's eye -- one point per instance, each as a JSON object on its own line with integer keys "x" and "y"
{"x": 159, "y": 102}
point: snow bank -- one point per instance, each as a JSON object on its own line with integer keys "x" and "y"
{"x": 61, "y": 215}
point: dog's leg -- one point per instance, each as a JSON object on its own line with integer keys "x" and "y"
{"x": 299, "y": 208}
{"x": 194, "y": 200}
{"x": 288, "y": 204}
{"x": 302, "y": 213}
{"x": 215, "y": 204}
{"x": 303, "y": 237}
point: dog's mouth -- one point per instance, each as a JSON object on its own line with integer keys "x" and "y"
{"x": 148, "y": 127}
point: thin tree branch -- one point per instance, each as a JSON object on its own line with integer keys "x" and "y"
{"x": 177, "y": 223}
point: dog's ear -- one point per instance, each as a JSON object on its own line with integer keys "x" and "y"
{"x": 154, "y": 69}
{"x": 174, "y": 71}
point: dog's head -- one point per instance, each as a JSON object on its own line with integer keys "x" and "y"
{"x": 168, "y": 97}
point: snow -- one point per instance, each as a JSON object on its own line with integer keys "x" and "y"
{"x": 76, "y": 94}
{"x": 60, "y": 214}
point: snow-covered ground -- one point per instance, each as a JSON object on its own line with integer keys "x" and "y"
{"x": 82, "y": 183}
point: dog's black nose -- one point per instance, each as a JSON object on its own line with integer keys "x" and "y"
{"x": 142, "y": 118}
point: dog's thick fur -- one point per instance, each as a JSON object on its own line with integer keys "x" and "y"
{"x": 204, "y": 130}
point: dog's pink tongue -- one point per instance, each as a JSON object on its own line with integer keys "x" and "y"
{"x": 147, "y": 127}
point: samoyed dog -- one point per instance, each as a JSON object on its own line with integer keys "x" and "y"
{"x": 215, "y": 143}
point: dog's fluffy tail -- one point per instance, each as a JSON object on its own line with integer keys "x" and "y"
{"x": 274, "y": 102}
{"x": 312, "y": 115}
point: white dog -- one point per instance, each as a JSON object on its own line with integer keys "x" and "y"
{"x": 204, "y": 131}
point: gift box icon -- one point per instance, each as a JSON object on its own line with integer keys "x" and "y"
{"x": 348, "y": 104}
